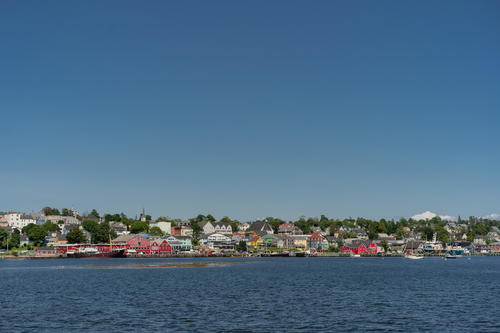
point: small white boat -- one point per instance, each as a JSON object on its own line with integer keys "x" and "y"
{"x": 355, "y": 255}
{"x": 414, "y": 256}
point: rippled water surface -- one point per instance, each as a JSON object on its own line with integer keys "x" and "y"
{"x": 251, "y": 295}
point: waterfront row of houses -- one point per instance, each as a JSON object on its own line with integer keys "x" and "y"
{"x": 259, "y": 235}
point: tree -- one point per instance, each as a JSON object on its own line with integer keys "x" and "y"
{"x": 139, "y": 226}
{"x": 103, "y": 233}
{"x": 242, "y": 246}
{"x": 9, "y": 239}
{"x": 66, "y": 212}
{"x": 4, "y": 234}
{"x": 384, "y": 245}
{"x": 303, "y": 225}
{"x": 94, "y": 213}
{"x": 333, "y": 249}
{"x": 50, "y": 211}
{"x": 113, "y": 217}
{"x": 48, "y": 226}
{"x": 274, "y": 222}
{"x": 90, "y": 226}
{"x": 427, "y": 232}
{"x": 36, "y": 233}
{"x": 235, "y": 224}
{"x": 76, "y": 236}
{"x": 156, "y": 231}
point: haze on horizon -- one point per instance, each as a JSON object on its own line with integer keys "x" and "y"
{"x": 374, "y": 109}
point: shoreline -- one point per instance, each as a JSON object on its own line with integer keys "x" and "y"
{"x": 325, "y": 255}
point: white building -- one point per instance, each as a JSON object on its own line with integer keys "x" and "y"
{"x": 19, "y": 220}
{"x": 218, "y": 238}
{"x": 165, "y": 227}
{"x": 216, "y": 227}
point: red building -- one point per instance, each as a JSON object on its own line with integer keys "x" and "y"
{"x": 135, "y": 243}
{"x": 47, "y": 251}
{"x": 360, "y": 247}
{"x": 160, "y": 246}
{"x": 176, "y": 231}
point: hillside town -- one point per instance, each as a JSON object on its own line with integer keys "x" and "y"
{"x": 52, "y": 232}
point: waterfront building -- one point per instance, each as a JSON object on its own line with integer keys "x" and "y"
{"x": 289, "y": 229}
{"x": 180, "y": 243}
{"x": 133, "y": 243}
{"x": 299, "y": 241}
{"x": 255, "y": 241}
{"x": 218, "y": 241}
{"x": 317, "y": 241}
{"x": 160, "y": 246}
{"x": 360, "y": 247}
{"x": 489, "y": 248}
{"x": 260, "y": 228}
{"x": 215, "y": 227}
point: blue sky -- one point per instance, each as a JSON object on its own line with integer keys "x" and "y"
{"x": 251, "y": 109}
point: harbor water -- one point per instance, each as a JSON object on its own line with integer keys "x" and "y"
{"x": 251, "y": 295}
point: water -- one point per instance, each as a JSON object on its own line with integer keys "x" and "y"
{"x": 251, "y": 295}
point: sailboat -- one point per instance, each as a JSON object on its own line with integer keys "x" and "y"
{"x": 411, "y": 254}
{"x": 414, "y": 256}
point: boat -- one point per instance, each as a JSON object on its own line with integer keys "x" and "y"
{"x": 414, "y": 256}
{"x": 94, "y": 253}
{"x": 451, "y": 255}
{"x": 411, "y": 254}
{"x": 355, "y": 255}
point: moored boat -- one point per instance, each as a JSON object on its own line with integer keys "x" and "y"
{"x": 90, "y": 253}
{"x": 414, "y": 256}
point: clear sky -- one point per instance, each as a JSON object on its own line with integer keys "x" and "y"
{"x": 251, "y": 108}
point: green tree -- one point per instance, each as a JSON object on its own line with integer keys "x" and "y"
{"x": 48, "y": 226}
{"x": 36, "y": 233}
{"x": 442, "y": 234}
{"x": 156, "y": 231}
{"x": 242, "y": 246}
{"x": 138, "y": 227}
{"x": 103, "y": 233}
{"x": 303, "y": 225}
{"x": 4, "y": 235}
{"x": 100, "y": 232}
{"x": 235, "y": 224}
{"x": 94, "y": 213}
{"x": 50, "y": 211}
{"x": 66, "y": 212}
{"x": 274, "y": 222}
{"x": 90, "y": 226}
{"x": 384, "y": 245}
{"x": 76, "y": 236}
{"x": 427, "y": 232}
{"x": 333, "y": 249}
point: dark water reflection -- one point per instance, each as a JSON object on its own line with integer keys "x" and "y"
{"x": 251, "y": 295}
